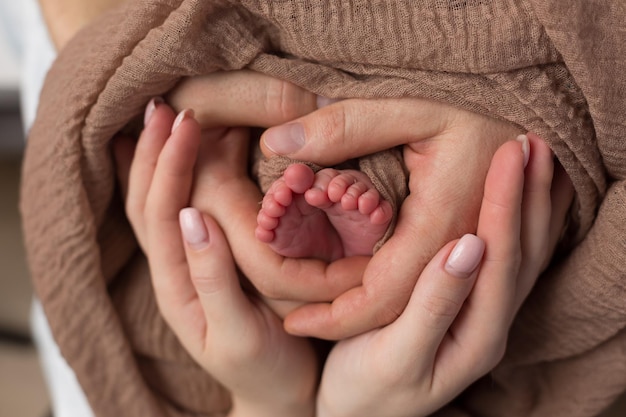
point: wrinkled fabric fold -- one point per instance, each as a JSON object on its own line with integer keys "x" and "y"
{"x": 554, "y": 68}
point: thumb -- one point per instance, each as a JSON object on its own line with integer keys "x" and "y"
{"x": 356, "y": 127}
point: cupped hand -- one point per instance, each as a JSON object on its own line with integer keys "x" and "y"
{"x": 447, "y": 152}
{"x": 447, "y": 149}
{"x": 454, "y": 328}
{"x": 269, "y": 101}
{"x": 230, "y": 333}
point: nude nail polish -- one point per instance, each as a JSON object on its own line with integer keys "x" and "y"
{"x": 150, "y": 108}
{"x": 193, "y": 228}
{"x": 525, "y": 147}
{"x": 185, "y": 114}
{"x": 466, "y": 256}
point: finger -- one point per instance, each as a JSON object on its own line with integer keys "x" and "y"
{"x": 272, "y": 274}
{"x": 387, "y": 285}
{"x": 356, "y": 127}
{"x": 437, "y": 298}
{"x": 535, "y": 216}
{"x": 387, "y": 282}
{"x": 219, "y": 306}
{"x": 499, "y": 226}
{"x": 246, "y": 98}
{"x": 168, "y": 194}
{"x": 548, "y": 194}
{"x": 236, "y": 210}
{"x": 480, "y": 331}
{"x": 158, "y": 126}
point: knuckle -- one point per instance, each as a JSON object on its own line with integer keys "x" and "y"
{"x": 330, "y": 132}
{"x": 388, "y": 315}
{"x": 264, "y": 287}
{"x": 336, "y": 124}
{"x": 206, "y": 283}
{"x": 440, "y": 310}
{"x": 508, "y": 257}
{"x": 283, "y": 99}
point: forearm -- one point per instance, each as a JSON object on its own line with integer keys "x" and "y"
{"x": 66, "y": 17}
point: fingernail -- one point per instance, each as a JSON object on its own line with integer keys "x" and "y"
{"x": 465, "y": 256}
{"x": 525, "y": 147}
{"x": 185, "y": 114}
{"x": 193, "y": 229}
{"x": 284, "y": 139}
{"x": 150, "y": 108}
{"x": 325, "y": 101}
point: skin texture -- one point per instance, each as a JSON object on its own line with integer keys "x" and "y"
{"x": 447, "y": 151}
{"x": 452, "y": 331}
{"x": 158, "y": 183}
{"x": 452, "y": 147}
{"x": 449, "y": 147}
{"x": 325, "y": 215}
{"x": 183, "y": 291}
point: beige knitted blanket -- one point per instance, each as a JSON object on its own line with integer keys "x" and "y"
{"x": 550, "y": 66}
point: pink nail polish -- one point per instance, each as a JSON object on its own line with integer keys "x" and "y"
{"x": 525, "y": 147}
{"x": 466, "y": 256}
{"x": 187, "y": 113}
{"x": 193, "y": 228}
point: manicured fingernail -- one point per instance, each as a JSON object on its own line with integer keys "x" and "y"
{"x": 525, "y": 147}
{"x": 465, "y": 256}
{"x": 185, "y": 114}
{"x": 150, "y": 108}
{"x": 325, "y": 101}
{"x": 284, "y": 139}
{"x": 193, "y": 229}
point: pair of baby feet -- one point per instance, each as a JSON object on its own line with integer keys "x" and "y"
{"x": 326, "y": 215}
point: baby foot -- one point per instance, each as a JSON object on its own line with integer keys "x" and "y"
{"x": 290, "y": 225}
{"x": 326, "y": 215}
{"x": 353, "y": 206}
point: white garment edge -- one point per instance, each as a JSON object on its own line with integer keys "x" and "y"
{"x": 66, "y": 395}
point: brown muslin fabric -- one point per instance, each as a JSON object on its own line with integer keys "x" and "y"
{"x": 552, "y": 67}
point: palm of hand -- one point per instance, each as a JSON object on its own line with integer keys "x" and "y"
{"x": 446, "y": 178}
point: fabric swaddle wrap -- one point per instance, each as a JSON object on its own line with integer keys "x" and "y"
{"x": 554, "y": 68}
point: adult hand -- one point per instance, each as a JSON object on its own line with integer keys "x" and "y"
{"x": 449, "y": 334}
{"x": 231, "y": 334}
{"x": 349, "y": 128}
{"x": 447, "y": 152}
{"x": 252, "y": 99}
